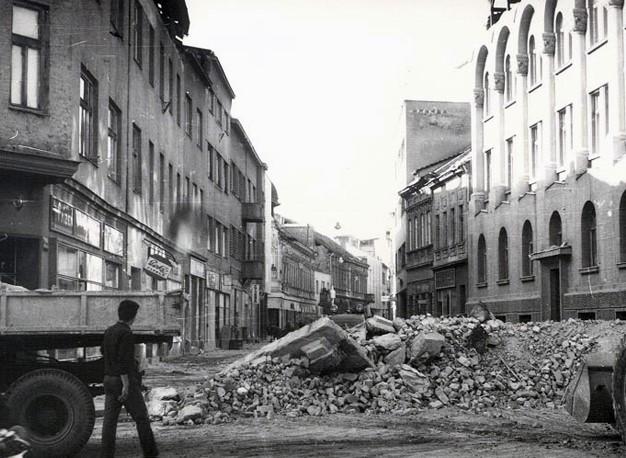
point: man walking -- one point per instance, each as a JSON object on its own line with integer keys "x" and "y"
{"x": 122, "y": 384}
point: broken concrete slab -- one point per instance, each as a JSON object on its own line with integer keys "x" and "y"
{"x": 426, "y": 345}
{"x": 352, "y": 357}
{"x": 166, "y": 393}
{"x": 398, "y": 323}
{"x": 189, "y": 412}
{"x": 323, "y": 356}
{"x": 396, "y": 357}
{"x": 388, "y": 342}
{"x": 378, "y": 325}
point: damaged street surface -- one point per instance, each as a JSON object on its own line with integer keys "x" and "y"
{"x": 424, "y": 386}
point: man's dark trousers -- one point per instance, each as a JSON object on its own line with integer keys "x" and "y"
{"x": 135, "y": 406}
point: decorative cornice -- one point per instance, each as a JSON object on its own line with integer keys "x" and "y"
{"x": 52, "y": 168}
{"x": 499, "y": 82}
{"x": 522, "y": 64}
{"x": 479, "y": 96}
{"x": 580, "y": 20}
{"x": 617, "y": 3}
{"x": 549, "y": 43}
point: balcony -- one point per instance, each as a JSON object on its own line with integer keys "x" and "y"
{"x": 252, "y": 212}
{"x": 252, "y": 270}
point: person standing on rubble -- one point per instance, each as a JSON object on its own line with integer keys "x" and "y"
{"x": 122, "y": 383}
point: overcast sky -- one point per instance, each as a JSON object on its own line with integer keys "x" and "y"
{"x": 319, "y": 86}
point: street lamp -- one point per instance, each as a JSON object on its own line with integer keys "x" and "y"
{"x": 333, "y": 294}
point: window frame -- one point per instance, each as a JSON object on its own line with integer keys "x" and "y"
{"x": 138, "y": 15}
{"x": 114, "y": 139}
{"x": 137, "y": 159}
{"x": 89, "y": 106}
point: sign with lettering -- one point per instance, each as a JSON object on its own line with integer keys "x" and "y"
{"x": 158, "y": 266}
{"x": 444, "y": 279}
{"x": 212, "y": 280}
{"x": 62, "y": 216}
{"x": 227, "y": 283}
{"x": 196, "y": 268}
{"x": 87, "y": 228}
{"x": 113, "y": 240}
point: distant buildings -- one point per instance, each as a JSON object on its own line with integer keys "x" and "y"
{"x": 431, "y": 134}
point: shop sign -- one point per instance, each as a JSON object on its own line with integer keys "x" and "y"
{"x": 444, "y": 279}
{"x": 385, "y": 298}
{"x": 158, "y": 266}
{"x": 212, "y": 280}
{"x": 196, "y": 268}
{"x": 227, "y": 283}
{"x": 62, "y": 216}
{"x": 87, "y": 228}
{"x": 256, "y": 293}
{"x": 113, "y": 240}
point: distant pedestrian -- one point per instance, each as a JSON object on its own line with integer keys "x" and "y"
{"x": 122, "y": 383}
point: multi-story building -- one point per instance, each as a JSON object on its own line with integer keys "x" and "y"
{"x": 115, "y": 156}
{"x": 548, "y": 136}
{"x": 291, "y": 301}
{"x": 430, "y": 133}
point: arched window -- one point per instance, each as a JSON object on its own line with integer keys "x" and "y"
{"x": 560, "y": 40}
{"x": 622, "y": 228}
{"x": 487, "y": 100}
{"x": 527, "y": 249}
{"x": 503, "y": 255}
{"x": 555, "y": 230}
{"x": 508, "y": 79}
{"x": 588, "y": 236}
{"x": 532, "y": 61}
{"x": 482, "y": 259}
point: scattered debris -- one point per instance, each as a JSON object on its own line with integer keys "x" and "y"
{"x": 399, "y": 367}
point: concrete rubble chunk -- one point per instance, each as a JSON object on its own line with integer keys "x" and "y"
{"x": 167, "y": 393}
{"x": 388, "y": 342}
{"x": 189, "y": 412}
{"x": 378, "y": 325}
{"x": 353, "y": 357}
{"x": 426, "y": 344}
{"x": 398, "y": 323}
{"x": 396, "y": 357}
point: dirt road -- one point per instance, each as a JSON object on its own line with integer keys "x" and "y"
{"x": 441, "y": 433}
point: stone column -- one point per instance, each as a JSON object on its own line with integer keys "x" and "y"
{"x": 498, "y": 156}
{"x": 478, "y": 177}
{"x": 548, "y": 151}
{"x": 615, "y": 43}
{"x": 521, "y": 170}
{"x": 579, "y": 112}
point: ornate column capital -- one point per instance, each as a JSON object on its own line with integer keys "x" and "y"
{"x": 479, "y": 96}
{"x": 617, "y": 3}
{"x": 580, "y": 20}
{"x": 498, "y": 82}
{"x": 522, "y": 64}
{"x": 549, "y": 43}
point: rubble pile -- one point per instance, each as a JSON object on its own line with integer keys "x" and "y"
{"x": 423, "y": 362}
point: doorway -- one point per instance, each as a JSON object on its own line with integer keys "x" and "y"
{"x": 555, "y": 294}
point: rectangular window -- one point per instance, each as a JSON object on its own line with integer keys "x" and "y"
{"x": 210, "y": 160}
{"x": 178, "y": 88}
{"x": 150, "y": 54}
{"x": 170, "y": 180}
{"x": 565, "y": 138}
{"x": 138, "y": 33}
{"x": 428, "y": 228}
{"x": 177, "y": 198}
{"x": 161, "y": 72}
{"x": 461, "y": 223}
{"x": 209, "y": 240}
{"x": 598, "y": 22}
{"x": 136, "y": 159}
{"x": 226, "y": 172}
{"x": 437, "y": 237}
{"x": 599, "y": 118}
{"x": 452, "y": 226}
{"x": 535, "y": 149}
{"x": 219, "y": 113}
{"x": 200, "y": 122}
{"x": 186, "y": 191}
{"x": 188, "y": 114}
{"x": 151, "y": 172}
{"x": 87, "y": 121}
{"x": 170, "y": 86}
{"x": 444, "y": 229}
{"x": 509, "y": 163}
{"x": 211, "y": 101}
{"x": 29, "y": 31}
{"x": 218, "y": 171}
{"x": 487, "y": 173}
{"x": 117, "y": 17}
{"x": 114, "y": 126}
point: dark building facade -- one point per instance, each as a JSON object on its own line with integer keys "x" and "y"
{"x": 115, "y": 157}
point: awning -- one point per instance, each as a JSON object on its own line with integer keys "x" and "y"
{"x": 49, "y": 168}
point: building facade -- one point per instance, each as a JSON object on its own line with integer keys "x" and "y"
{"x": 548, "y": 189}
{"x": 431, "y": 132}
{"x": 115, "y": 157}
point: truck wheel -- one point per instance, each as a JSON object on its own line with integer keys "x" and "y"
{"x": 619, "y": 392}
{"x": 56, "y": 408}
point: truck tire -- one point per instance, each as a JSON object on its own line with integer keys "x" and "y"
{"x": 56, "y": 408}
{"x": 619, "y": 391}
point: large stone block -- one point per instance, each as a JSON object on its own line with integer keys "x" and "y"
{"x": 353, "y": 356}
{"x": 377, "y": 325}
{"x": 426, "y": 345}
{"x": 396, "y": 357}
{"x": 388, "y": 342}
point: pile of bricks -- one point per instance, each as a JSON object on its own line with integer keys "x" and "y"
{"x": 420, "y": 363}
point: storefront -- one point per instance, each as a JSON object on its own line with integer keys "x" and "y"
{"x": 450, "y": 290}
